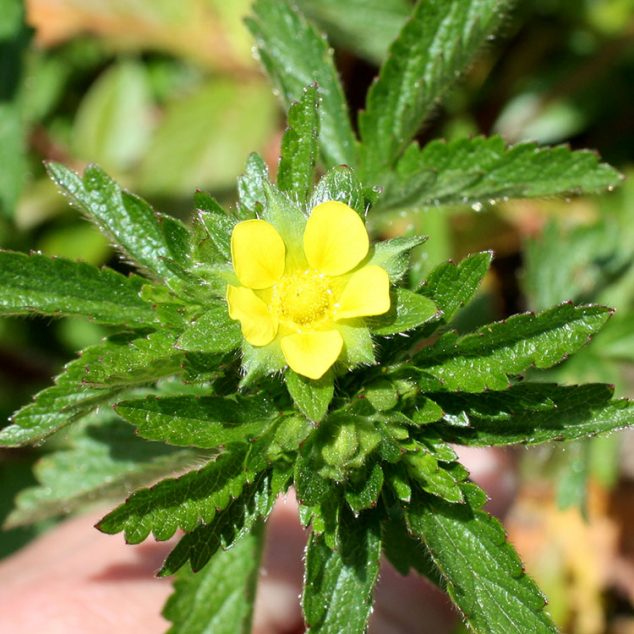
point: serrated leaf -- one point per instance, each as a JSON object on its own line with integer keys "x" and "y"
{"x": 536, "y": 413}
{"x": 219, "y": 598}
{"x": 251, "y": 187}
{"x": 132, "y": 362}
{"x": 486, "y": 358}
{"x": 57, "y": 287}
{"x": 451, "y": 285}
{"x": 484, "y": 575}
{"x": 238, "y": 518}
{"x": 393, "y": 255}
{"x": 338, "y": 584}
{"x": 104, "y": 460}
{"x": 143, "y": 236}
{"x": 70, "y": 398}
{"x": 213, "y": 332}
{"x": 295, "y": 55}
{"x": 408, "y": 310}
{"x": 300, "y": 147}
{"x": 473, "y": 171}
{"x": 311, "y": 397}
{"x": 212, "y": 226}
{"x": 204, "y": 422}
{"x": 434, "y": 47}
{"x": 185, "y": 502}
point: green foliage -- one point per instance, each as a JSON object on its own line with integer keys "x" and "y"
{"x": 338, "y": 584}
{"x": 433, "y": 49}
{"x": 227, "y": 582}
{"x": 483, "y": 574}
{"x": 37, "y": 284}
{"x": 294, "y": 56}
{"x": 469, "y": 171}
{"x": 368, "y": 451}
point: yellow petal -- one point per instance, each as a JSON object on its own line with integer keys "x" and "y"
{"x": 258, "y": 325}
{"x": 366, "y": 293}
{"x": 335, "y": 239}
{"x": 257, "y": 253}
{"x": 311, "y": 354}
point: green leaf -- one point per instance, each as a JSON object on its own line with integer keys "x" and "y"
{"x": 366, "y": 27}
{"x": 148, "y": 239}
{"x": 212, "y": 227}
{"x": 433, "y": 477}
{"x": 382, "y": 395}
{"x": 484, "y": 575}
{"x": 535, "y": 413}
{"x": 311, "y": 397}
{"x": 113, "y": 123}
{"x": 486, "y": 358}
{"x": 435, "y": 46}
{"x": 473, "y": 171}
{"x": 408, "y": 310}
{"x": 213, "y": 332}
{"x": 237, "y": 519}
{"x": 219, "y": 598}
{"x": 104, "y": 460}
{"x": 206, "y": 133}
{"x": 451, "y": 285}
{"x": 205, "y": 422}
{"x": 185, "y": 502}
{"x": 295, "y": 55}
{"x": 252, "y": 187}
{"x": 132, "y": 362}
{"x": 393, "y": 255}
{"x": 300, "y": 147}
{"x": 363, "y": 492}
{"x": 338, "y": 584}
{"x": 52, "y": 286}
{"x": 96, "y": 377}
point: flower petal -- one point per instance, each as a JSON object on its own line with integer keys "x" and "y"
{"x": 335, "y": 238}
{"x": 366, "y": 293}
{"x": 257, "y": 253}
{"x": 311, "y": 354}
{"x": 259, "y": 327}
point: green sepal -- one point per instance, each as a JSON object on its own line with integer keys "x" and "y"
{"x": 341, "y": 184}
{"x": 212, "y": 227}
{"x": 251, "y": 187}
{"x": 393, "y": 255}
{"x": 312, "y": 397}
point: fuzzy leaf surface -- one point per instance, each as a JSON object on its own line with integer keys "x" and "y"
{"x": 483, "y": 574}
{"x": 185, "y": 502}
{"x": 104, "y": 460}
{"x": 300, "y": 147}
{"x": 213, "y": 332}
{"x": 434, "y": 47}
{"x": 311, "y": 397}
{"x": 534, "y": 413}
{"x": 295, "y": 55}
{"x": 338, "y": 584}
{"x": 468, "y": 171}
{"x": 408, "y": 310}
{"x": 204, "y": 422}
{"x": 58, "y": 287}
{"x": 451, "y": 285}
{"x": 486, "y": 358}
{"x": 148, "y": 239}
{"x": 237, "y": 519}
{"x": 219, "y": 598}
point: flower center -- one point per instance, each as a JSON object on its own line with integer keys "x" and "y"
{"x": 302, "y": 298}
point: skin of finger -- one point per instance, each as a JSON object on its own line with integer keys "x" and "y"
{"x": 75, "y": 580}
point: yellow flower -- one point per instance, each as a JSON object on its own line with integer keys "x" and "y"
{"x": 303, "y": 296}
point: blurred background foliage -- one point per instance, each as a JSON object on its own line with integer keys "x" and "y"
{"x": 166, "y": 96}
